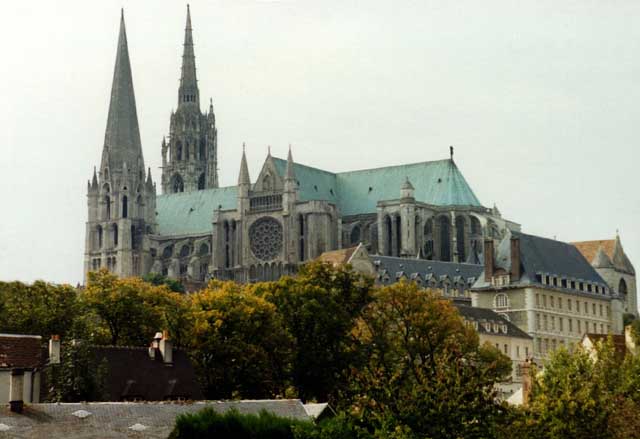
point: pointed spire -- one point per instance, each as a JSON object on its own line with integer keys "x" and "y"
{"x": 122, "y": 136}
{"x": 243, "y": 178}
{"x": 289, "y": 174}
{"x": 94, "y": 180}
{"x": 188, "y": 92}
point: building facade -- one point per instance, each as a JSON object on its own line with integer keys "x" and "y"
{"x": 263, "y": 228}
{"x": 547, "y": 289}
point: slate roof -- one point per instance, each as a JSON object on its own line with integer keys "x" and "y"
{"x": 481, "y": 315}
{"x": 190, "y": 213}
{"x": 117, "y": 420}
{"x": 426, "y": 269}
{"x": 131, "y": 374}
{"x": 356, "y": 192}
{"x": 540, "y": 255}
{"x": 20, "y": 351}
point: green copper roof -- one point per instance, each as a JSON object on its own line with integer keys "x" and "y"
{"x": 439, "y": 183}
{"x": 189, "y": 213}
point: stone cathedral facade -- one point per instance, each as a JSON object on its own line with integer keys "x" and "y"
{"x": 262, "y": 228}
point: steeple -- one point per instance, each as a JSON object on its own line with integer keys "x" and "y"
{"x": 122, "y": 136}
{"x": 188, "y": 92}
{"x": 289, "y": 175}
{"x": 243, "y": 178}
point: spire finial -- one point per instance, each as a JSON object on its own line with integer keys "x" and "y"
{"x": 188, "y": 92}
{"x": 451, "y": 151}
{"x": 244, "y": 147}
{"x": 269, "y": 150}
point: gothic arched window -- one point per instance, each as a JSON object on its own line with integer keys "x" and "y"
{"x": 355, "y": 234}
{"x": 201, "y": 182}
{"x": 388, "y": 235}
{"x": 428, "y": 239}
{"x": 302, "y": 236}
{"x": 177, "y": 184}
{"x": 266, "y": 183}
{"x": 186, "y": 151}
{"x": 445, "y": 239}
{"x": 622, "y": 287}
{"x": 107, "y": 207}
{"x": 203, "y": 150}
{"x": 114, "y": 232}
{"x": 99, "y": 236}
{"x": 178, "y": 150}
{"x": 461, "y": 234}
{"x": 125, "y": 206}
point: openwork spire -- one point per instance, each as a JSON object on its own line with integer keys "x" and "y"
{"x": 188, "y": 92}
{"x": 122, "y": 136}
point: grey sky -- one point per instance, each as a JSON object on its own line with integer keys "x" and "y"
{"x": 539, "y": 98}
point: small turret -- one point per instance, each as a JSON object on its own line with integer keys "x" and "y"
{"x": 407, "y": 190}
{"x": 290, "y": 175}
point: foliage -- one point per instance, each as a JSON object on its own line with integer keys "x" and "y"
{"x": 425, "y": 375}
{"x": 78, "y": 377}
{"x": 130, "y": 311}
{"x": 319, "y": 307}
{"x": 239, "y": 344}
{"x": 41, "y": 308}
{"x": 209, "y": 424}
{"x": 158, "y": 279}
{"x": 341, "y": 426}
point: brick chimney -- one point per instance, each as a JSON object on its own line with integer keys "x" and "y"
{"x": 515, "y": 259}
{"x": 166, "y": 348}
{"x": 54, "y": 349}
{"x": 16, "y": 400}
{"x": 488, "y": 260}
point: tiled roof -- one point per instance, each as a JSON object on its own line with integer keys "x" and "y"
{"x": 190, "y": 213}
{"x": 20, "y": 351}
{"x": 116, "y": 420}
{"x": 338, "y": 257}
{"x": 481, "y": 315}
{"x": 131, "y": 373}
{"x": 437, "y": 182}
{"x": 589, "y": 249}
{"x": 437, "y": 270}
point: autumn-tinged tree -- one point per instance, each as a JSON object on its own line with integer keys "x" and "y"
{"x": 239, "y": 344}
{"x": 425, "y": 374}
{"x": 319, "y": 307}
{"x": 41, "y": 308}
{"x": 130, "y": 311}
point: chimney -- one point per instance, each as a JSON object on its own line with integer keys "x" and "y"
{"x": 488, "y": 260}
{"x": 54, "y": 349}
{"x": 515, "y": 259}
{"x": 16, "y": 402}
{"x": 166, "y": 348}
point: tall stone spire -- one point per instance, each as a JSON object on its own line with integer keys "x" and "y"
{"x": 122, "y": 137}
{"x": 243, "y": 178}
{"x": 290, "y": 174}
{"x": 188, "y": 92}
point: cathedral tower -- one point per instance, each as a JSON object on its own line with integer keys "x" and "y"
{"x": 121, "y": 195}
{"x": 190, "y": 157}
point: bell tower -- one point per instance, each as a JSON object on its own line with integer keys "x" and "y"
{"x": 190, "y": 156}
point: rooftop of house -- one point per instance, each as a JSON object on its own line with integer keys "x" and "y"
{"x": 131, "y": 419}
{"x": 437, "y": 183}
{"x": 434, "y": 273}
{"x": 491, "y": 323}
{"x": 543, "y": 258}
{"x": 605, "y": 253}
{"x": 133, "y": 374}
{"x": 338, "y": 257}
{"x": 20, "y": 351}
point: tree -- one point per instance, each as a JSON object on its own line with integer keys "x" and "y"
{"x": 158, "y": 279}
{"x": 240, "y": 346}
{"x": 319, "y": 307}
{"x": 41, "y": 308}
{"x": 130, "y": 311}
{"x": 78, "y": 377}
{"x": 425, "y": 374}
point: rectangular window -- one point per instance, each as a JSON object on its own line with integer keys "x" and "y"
{"x": 544, "y": 300}
{"x": 546, "y": 345}
{"x": 569, "y": 304}
{"x": 593, "y": 308}
{"x": 554, "y": 343}
{"x": 526, "y": 351}
{"x": 544, "y": 319}
{"x": 600, "y": 310}
{"x": 553, "y": 323}
{"x": 551, "y": 301}
{"x": 601, "y": 328}
{"x": 539, "y": 345}
{"x": 560, "y": 302}
{"x": 560, "y": 324}
{"x": 579, "y": 327}
{"x": 570, "y": 325}
{"x": 538, "y": 300}
{"x": 538, "y": 326}
{"x": 506, "y": 349}
{"x": 518, "y": 351}
{"x": 586, "y": 308}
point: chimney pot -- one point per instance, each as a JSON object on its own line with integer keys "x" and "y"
{"x": 54, "y": 349}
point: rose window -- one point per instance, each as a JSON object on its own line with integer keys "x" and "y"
{"x": 265, "y": 238}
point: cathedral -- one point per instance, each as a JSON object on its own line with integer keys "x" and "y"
{"x": 290, "y": 213}
{"x": 263, "y": 228}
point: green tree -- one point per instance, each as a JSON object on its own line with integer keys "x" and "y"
{"x": 41, "y": 308}
{"x": 130, "y": 311}
{"x": 158, "y": 279}
{"x": 239, "y": 344}
{"x": 425, "y": 374}
{"x": 78, "y": 377}
{"x": 319, "y": 307}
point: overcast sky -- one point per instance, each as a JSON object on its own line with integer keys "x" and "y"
{"x": 541, "y": 100}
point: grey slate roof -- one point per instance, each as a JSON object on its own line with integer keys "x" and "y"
{"x": 540, "y": 255}
{"x": 481, "y": 315}
{"x": 115, "y": 420}
{"x": 437, "y": 270}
